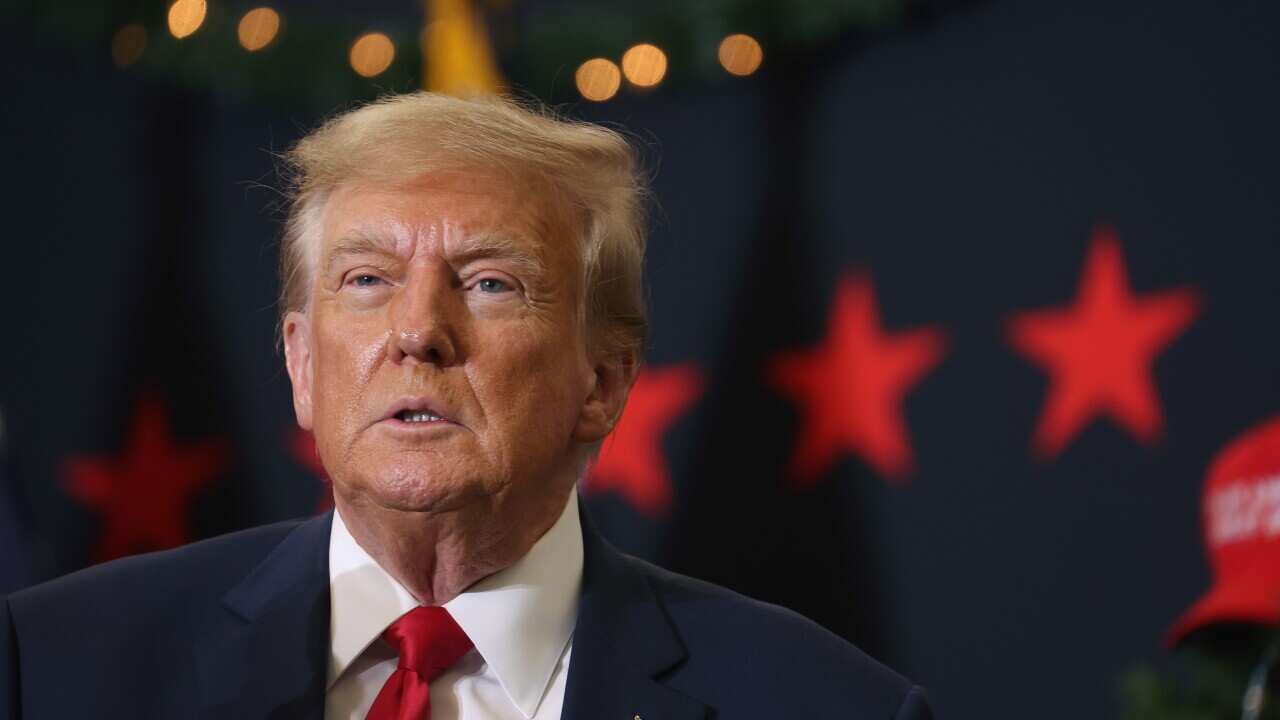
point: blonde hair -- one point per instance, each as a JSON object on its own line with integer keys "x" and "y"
{"x": 593, "y": 170}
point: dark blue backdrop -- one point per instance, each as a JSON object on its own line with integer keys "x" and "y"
{"x": 961, "y": 164}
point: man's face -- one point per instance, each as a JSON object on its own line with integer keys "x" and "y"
{"x": 442, "y": 360}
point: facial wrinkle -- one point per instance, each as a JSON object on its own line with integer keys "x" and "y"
{"x": 371, "y": 357}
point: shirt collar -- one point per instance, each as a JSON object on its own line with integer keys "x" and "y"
{"x": 520, "y": 618}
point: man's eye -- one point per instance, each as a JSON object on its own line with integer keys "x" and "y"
{"x": 492, "y": 285}
{"x": 365, "y": 280}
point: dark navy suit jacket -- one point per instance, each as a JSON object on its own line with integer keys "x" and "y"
{"x": 238, "y": 627}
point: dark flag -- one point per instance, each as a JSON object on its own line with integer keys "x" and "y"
{"x": 14, "y": 551}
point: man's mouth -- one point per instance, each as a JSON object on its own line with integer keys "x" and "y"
{"x": 418, "y": 416}
{"x": 418, "y": 410}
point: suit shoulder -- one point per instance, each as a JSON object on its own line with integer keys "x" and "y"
{"x": 199, "y": 568}
{"x": 778, "y": 651}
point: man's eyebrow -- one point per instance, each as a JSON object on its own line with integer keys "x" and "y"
{"x": 476, "y": 247}
{"x": 356, "y": 243}
{"x": 493, "y": 245}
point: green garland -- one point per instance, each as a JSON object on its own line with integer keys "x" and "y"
{"x": 540, "y": 51}
{"x": 307, "y": 61}
{"x": 551, "y": 46}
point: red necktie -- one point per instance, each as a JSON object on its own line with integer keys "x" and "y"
{"x": 428, "y": 641}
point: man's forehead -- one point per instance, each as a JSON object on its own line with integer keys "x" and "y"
{"x": 439, "y": 214}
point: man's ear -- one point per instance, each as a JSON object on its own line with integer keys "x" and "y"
{"x": 297, "y": 359}
{"x": 613, "y": 378}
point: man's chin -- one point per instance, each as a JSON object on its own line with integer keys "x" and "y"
{"x": 410, "y": 494}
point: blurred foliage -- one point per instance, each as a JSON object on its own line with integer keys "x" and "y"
{"x": 307, "y": 62}
{"x": 540, "y": 44}
{"x": 1205, "y": 679}
{"x": 546, "y": 47}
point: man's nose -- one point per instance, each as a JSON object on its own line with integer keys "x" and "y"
{"x": 423, "y": 319}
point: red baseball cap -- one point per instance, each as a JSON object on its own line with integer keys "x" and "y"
{"x": 1240, "y": 513}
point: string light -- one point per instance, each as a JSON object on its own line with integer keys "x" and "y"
{"x": 371, "y": 54}
{"x": 598, "y": 79}
{"x": 258, "y": 28}
{"x": 127, "y": 45}
{"x": 186, "y": 16}
{"x": 644, "y": 65}
{"x": 740, "y": 54}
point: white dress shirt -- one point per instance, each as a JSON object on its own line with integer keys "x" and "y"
{"x": 520, "y": 619}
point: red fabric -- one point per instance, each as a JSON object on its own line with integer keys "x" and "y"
{"x": 428, "y": 641}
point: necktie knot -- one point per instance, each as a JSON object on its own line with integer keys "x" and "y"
{"x": 428, "y": 641}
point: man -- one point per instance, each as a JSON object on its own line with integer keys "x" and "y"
{"x": 463, "y": 318}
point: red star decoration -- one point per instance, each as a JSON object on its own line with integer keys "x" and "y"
{"x": 851, "y": 387}
{"x": 1099, "y": 352}
{"x": 302, "y": 446}
{"x": 631, "y": 461}
{"x": 142, "y": 495}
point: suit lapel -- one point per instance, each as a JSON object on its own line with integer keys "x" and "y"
{"x": 622, "y": 644}
{"x": 264, "y": 652}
